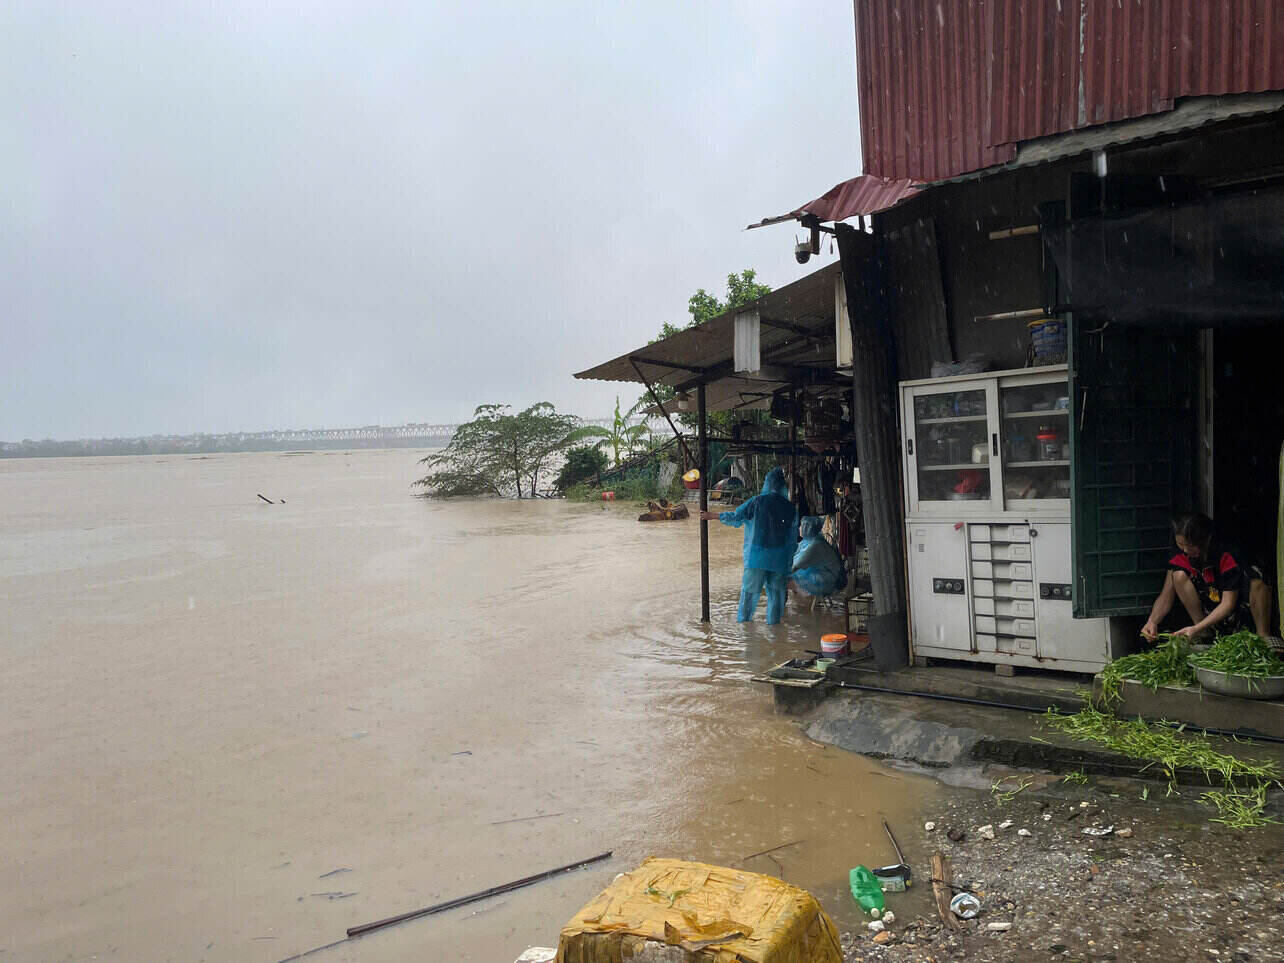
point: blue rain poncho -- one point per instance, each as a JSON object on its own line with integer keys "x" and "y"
{"x": 771, "y": 526}
{"x": 818, "y": 568}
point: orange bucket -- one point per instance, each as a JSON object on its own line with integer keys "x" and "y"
{"x": 834, "y": 646}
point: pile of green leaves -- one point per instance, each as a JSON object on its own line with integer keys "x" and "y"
{"x": 1242, "y": 801}
{"x": 1165, "y": 664}
{"x": 1243, "y": 653}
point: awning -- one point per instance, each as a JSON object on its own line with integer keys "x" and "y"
{"x": 865, "y": 194}
{"x": 796, "y": 342}
{"x": 1212, "y": 261}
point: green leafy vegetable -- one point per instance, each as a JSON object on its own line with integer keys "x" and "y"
{"x": 1240, "y": 805}
{"x": 1243, "y": 653}
{"x": 1165, "y": 664}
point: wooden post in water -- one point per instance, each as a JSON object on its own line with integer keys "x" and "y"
{"x": 704, "y": 507}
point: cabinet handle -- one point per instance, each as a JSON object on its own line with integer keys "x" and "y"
{"x": 909, "y": 447}
{"x": 994, "y": 442}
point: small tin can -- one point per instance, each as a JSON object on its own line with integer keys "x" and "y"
{"x": 895, "y": 878}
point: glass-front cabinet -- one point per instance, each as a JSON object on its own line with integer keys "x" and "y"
{"x": 988, "y": 443}
{"x": 988, "y": 530}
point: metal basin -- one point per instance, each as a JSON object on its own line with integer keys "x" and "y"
{"x": 1242, "y": 686}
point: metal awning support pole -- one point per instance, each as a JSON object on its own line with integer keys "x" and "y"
{"x": 704, "y": 507}
{"x": 793, "y": 444}
{"x": 651, "y": 391}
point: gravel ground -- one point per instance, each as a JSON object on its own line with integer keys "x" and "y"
{"x": 1171, "y": 887}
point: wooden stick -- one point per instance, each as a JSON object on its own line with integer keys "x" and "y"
{"x": 941, "y": 889}
{"x": 473, "y": 898}
{"x": 265, "y": 498}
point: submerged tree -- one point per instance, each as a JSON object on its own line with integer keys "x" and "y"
{"x": 583, "y": 462}
{"x": 500, "y": 453}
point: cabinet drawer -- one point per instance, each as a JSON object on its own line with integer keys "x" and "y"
{"x": 983, "y": 551}
{"x": 983, "y": 570}
{"x": 1016, "y": 626}
{"x": 987, "y": 606}
{"x": 1010, "y": 570}
{"x": 1014, "y": 590}
{"x": 1012, "y": 608}
{"x": 1010, "y": 533}
{"x": 978, "y": 533}
{"x": 983, "y": 588}
{"x": 1014, "y": 552}
{"x": 986, "y": 623}
{"x": 1016, "y": 646}
{"x": 986, "y": 643}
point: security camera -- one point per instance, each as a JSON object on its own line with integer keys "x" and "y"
{"x": 802, "y": 251}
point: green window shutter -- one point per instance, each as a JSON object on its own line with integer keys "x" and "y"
{"x": 1132, "y": 437}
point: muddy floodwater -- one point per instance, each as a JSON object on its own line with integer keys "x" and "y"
{"x": 230, "y": 730}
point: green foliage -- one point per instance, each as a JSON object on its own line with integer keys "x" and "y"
{"x": 624, "y": 439}
{"x": 500, "y": 453}
{"x": 582, "y": 463}
{"x": 703, "y": 306}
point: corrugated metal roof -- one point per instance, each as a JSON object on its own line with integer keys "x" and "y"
{"x": 864, "y": 194}
{"x": 952, "y": 86}
{"x": 797, "y": 330}
{"x": 923, "y": 86}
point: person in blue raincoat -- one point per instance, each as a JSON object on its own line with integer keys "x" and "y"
{"x": 771, "y": 536}
{"x": 818, "y": 568}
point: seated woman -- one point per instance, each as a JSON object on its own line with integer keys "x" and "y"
{"x": 1218, "y": 590}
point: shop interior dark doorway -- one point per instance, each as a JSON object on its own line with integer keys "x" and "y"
{"x": 1248, "y": 429}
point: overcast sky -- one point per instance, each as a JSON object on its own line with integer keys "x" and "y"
{"x": 225, "y": 216}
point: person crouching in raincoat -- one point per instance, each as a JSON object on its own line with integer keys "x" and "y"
{"x": 771, "y": 536}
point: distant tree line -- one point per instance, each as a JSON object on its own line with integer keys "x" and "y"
{"x": 190, "y": 445}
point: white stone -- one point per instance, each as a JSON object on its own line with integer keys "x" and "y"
{"x": 1125, "y": 833}
{"x": 877, "y": 926}
{"x": 538, "y": 954}
{"x": 1083, "y": 805}
{"x": 929, "y": 826}
{"x": 1047, "y": 817}
{"x": 1024, "y": 832}
{"x": 998, "y": 927}
{"x": 986, "y": 831}
{"x": 889, "y": 918}
{"x": 1006, "y": 824}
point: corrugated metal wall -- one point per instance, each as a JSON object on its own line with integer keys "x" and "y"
{"x": 950, "y": 86}
{"x": 922, "y": 82}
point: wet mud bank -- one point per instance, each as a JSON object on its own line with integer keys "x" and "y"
{"x": 1070, "y": 859}
{"x": 1164, "y": 884}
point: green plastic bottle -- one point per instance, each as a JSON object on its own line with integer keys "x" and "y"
{"x": 867, "y": 891}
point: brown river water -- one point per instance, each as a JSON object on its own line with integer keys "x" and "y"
{"x": 210, "y": 702}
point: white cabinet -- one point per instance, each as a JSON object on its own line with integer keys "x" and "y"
{"x": 987, "y": 492}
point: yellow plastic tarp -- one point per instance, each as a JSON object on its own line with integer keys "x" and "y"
{"x": 715, "y": 914}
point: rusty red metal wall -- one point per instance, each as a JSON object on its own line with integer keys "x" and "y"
{"x": 950, "y": 86}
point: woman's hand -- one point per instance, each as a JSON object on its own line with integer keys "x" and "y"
{"x": 1150, "y": 630}
{"x": 709, "y": 516}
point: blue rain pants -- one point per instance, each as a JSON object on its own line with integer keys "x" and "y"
{"x": 751, "y": 586}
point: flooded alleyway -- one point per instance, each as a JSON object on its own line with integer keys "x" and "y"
{"x": 212, "y": 703}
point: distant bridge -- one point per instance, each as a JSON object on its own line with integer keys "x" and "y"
{"x": 381, "y": 432}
